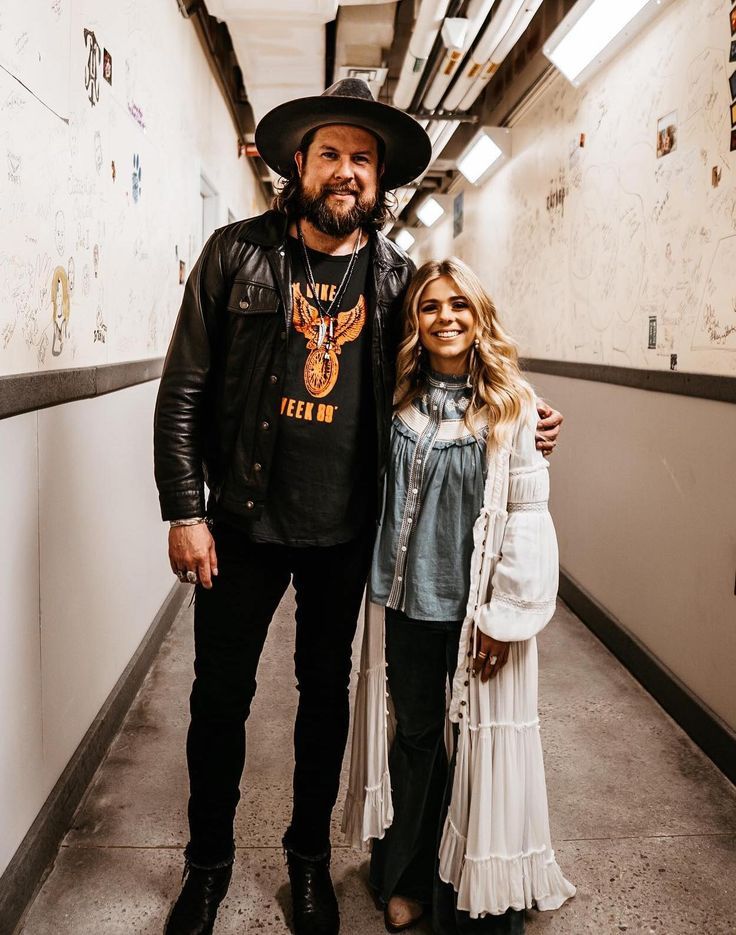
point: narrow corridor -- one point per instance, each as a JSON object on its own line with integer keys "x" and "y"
{"x": 643, "y": 823}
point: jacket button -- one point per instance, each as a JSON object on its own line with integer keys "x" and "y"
{"x": 244, "y": 303}
{"x": 249, "y": 505}
{"x": 460, "y": 714}
{"x": 462, "y": 702}
{"x": 466, "y": 684}
{"x": 257, "y": 466}
{"x": 265, "y": 425}
{"x": 274, "y": 378}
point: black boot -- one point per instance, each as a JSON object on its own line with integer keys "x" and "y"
{"x": 195, "y": 910}
{"x": 313, "y": 900}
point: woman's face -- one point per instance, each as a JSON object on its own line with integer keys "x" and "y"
{"x": 446, "y": 326}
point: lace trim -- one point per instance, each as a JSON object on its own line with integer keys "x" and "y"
{"x": 520, "y": 602}
{"x": 536, "y": 506}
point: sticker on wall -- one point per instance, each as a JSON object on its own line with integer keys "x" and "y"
{"x": 107, "y": 67}
{"x": 666, "y": 134}
{"x": 715, "y": 176}
{"x": 182, "y": 272}
{"x": 652, "y": 331}
{"x": 733, "y": 140}
{"x": 136, "y": 182}
{"x": 732, "y": 53}
{"x": 458, "y": 213}
{"x": 733, "y": 114}
{"x": 673, "y": 361}
{"x": 91, "y": 74}
{"x": 61, "y": 308}
{"x": 732, "y": 84}
{"x": 733, "y": 21}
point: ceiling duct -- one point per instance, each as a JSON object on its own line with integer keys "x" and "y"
{"x": 423, "y": 36}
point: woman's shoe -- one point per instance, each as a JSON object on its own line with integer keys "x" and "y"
{"x": 406, "y": 923}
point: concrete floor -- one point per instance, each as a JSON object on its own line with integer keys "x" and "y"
{"x": 642, "y": 822}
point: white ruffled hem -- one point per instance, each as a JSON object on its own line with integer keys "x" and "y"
{"x": 495, "y": 884}
{"x": 369, "y": 815}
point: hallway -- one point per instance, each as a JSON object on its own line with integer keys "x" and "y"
{"x": 643, "y": 822}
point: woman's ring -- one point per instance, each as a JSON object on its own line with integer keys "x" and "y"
{"x": 192, "y": 577}
{"x": 494, "y": 660}
{"x": 482, "y": 655}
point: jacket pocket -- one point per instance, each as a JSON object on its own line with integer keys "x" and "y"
{"x": 252, "y": 298}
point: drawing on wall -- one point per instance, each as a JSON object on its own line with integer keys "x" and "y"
{"x": 91, "y": 74}
{"x": 107, "y": 67}
{"x": 70, "y": 273}
{"x": 112, "y": 169}
{"x": 14, "y": 166}
{"x": 100, "y": 331}
{"x": 96, "y": 259}
{"x": 666, "y": 134}
{"x": 136, "y": 179}
{"x": 59, "y": 232}
{"x": 98, "y": 152}
{"x": 60, "y": 310}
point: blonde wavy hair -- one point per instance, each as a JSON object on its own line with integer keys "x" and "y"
{"x": 495, "y": 376}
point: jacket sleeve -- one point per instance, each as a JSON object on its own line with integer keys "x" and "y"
{"x": 178, "y": 419}
{"x": 525, "y": 580}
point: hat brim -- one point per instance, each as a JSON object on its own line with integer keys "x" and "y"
{"x": 281, "y": 130}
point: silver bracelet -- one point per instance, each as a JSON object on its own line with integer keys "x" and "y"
{"x": 194, "y": 521}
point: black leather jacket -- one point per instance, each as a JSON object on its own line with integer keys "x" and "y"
{"x": 217, "y": 411}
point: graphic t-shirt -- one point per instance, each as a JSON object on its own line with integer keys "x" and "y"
{"x": 321, "y": 489}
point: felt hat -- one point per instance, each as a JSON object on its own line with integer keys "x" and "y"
{"x": 408, "y": 149}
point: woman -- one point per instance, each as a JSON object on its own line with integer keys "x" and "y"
{"x": 464, "y": 575}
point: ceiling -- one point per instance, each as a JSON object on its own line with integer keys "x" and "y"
{"x": 452, "y": 63}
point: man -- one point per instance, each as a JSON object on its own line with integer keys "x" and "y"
{"x": 277, "y": 392}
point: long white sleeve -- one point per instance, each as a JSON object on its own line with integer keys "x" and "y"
{"x": 525, "y": 580}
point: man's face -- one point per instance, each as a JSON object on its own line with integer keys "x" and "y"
{"x": 339, "y": 178}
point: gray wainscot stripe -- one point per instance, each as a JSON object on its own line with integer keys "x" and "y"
{"x": 27, "y": 392}
{"x": 703, "y": 385}
{"x": 31, "y": 862}
{"x": 699, "y": 722}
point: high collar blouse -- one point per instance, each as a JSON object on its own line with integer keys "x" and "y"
{"x": 434, "y": 492}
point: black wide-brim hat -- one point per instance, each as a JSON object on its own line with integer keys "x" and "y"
{"x": 408, "y": 149}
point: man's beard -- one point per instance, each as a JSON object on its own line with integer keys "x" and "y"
{"x": 316, "y": 209}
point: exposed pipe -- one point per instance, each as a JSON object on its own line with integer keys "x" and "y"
{"x": 498, "y": 55}
{"x": 477, "y": 14}
{"x": 426, "y": 27}
{"x": 496, "y": 29}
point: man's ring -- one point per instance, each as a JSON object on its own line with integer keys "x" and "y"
{"x": 192, "y": 577}
{"x": 494, "y": 660}
{"x": 482, "y": 655}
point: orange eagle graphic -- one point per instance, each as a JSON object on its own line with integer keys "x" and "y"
{"x": 325, "y": 338}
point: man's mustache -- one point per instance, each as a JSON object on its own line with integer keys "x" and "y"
{"x": 340, "y": 191}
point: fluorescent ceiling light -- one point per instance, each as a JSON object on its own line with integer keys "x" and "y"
{"x": 404, "y": 239}
{"x": 594, "y": 31}
{"x": 479, "y": 157}
{"x": 430, "y": 211}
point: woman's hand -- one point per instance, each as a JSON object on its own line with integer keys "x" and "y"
{"x": 548, "y": 427}
{"x": 491, "y": 656}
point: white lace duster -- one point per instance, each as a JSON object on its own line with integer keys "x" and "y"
{"x": 495, "y": 848}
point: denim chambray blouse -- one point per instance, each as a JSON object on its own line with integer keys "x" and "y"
{"x": 434, "y": 492}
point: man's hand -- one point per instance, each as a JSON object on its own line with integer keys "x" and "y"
{"x": 491, "y": 656}
{"x": 548, "y": 427}
{"x": 192, "y": 548}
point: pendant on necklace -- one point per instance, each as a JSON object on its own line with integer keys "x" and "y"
{"x": 321, "y": 332}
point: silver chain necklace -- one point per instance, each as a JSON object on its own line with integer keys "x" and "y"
{"x": 326, "y": 316}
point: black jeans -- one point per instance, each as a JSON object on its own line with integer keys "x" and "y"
{"x": 421, "y": 656}
{"x": 230, "y": 625}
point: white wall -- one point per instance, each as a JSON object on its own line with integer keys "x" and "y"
{"x": 119, "y": 244}
{"x": 642, "y": 482}
{"x": 581, "y": 246}
{"x": 83, "y": 565}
